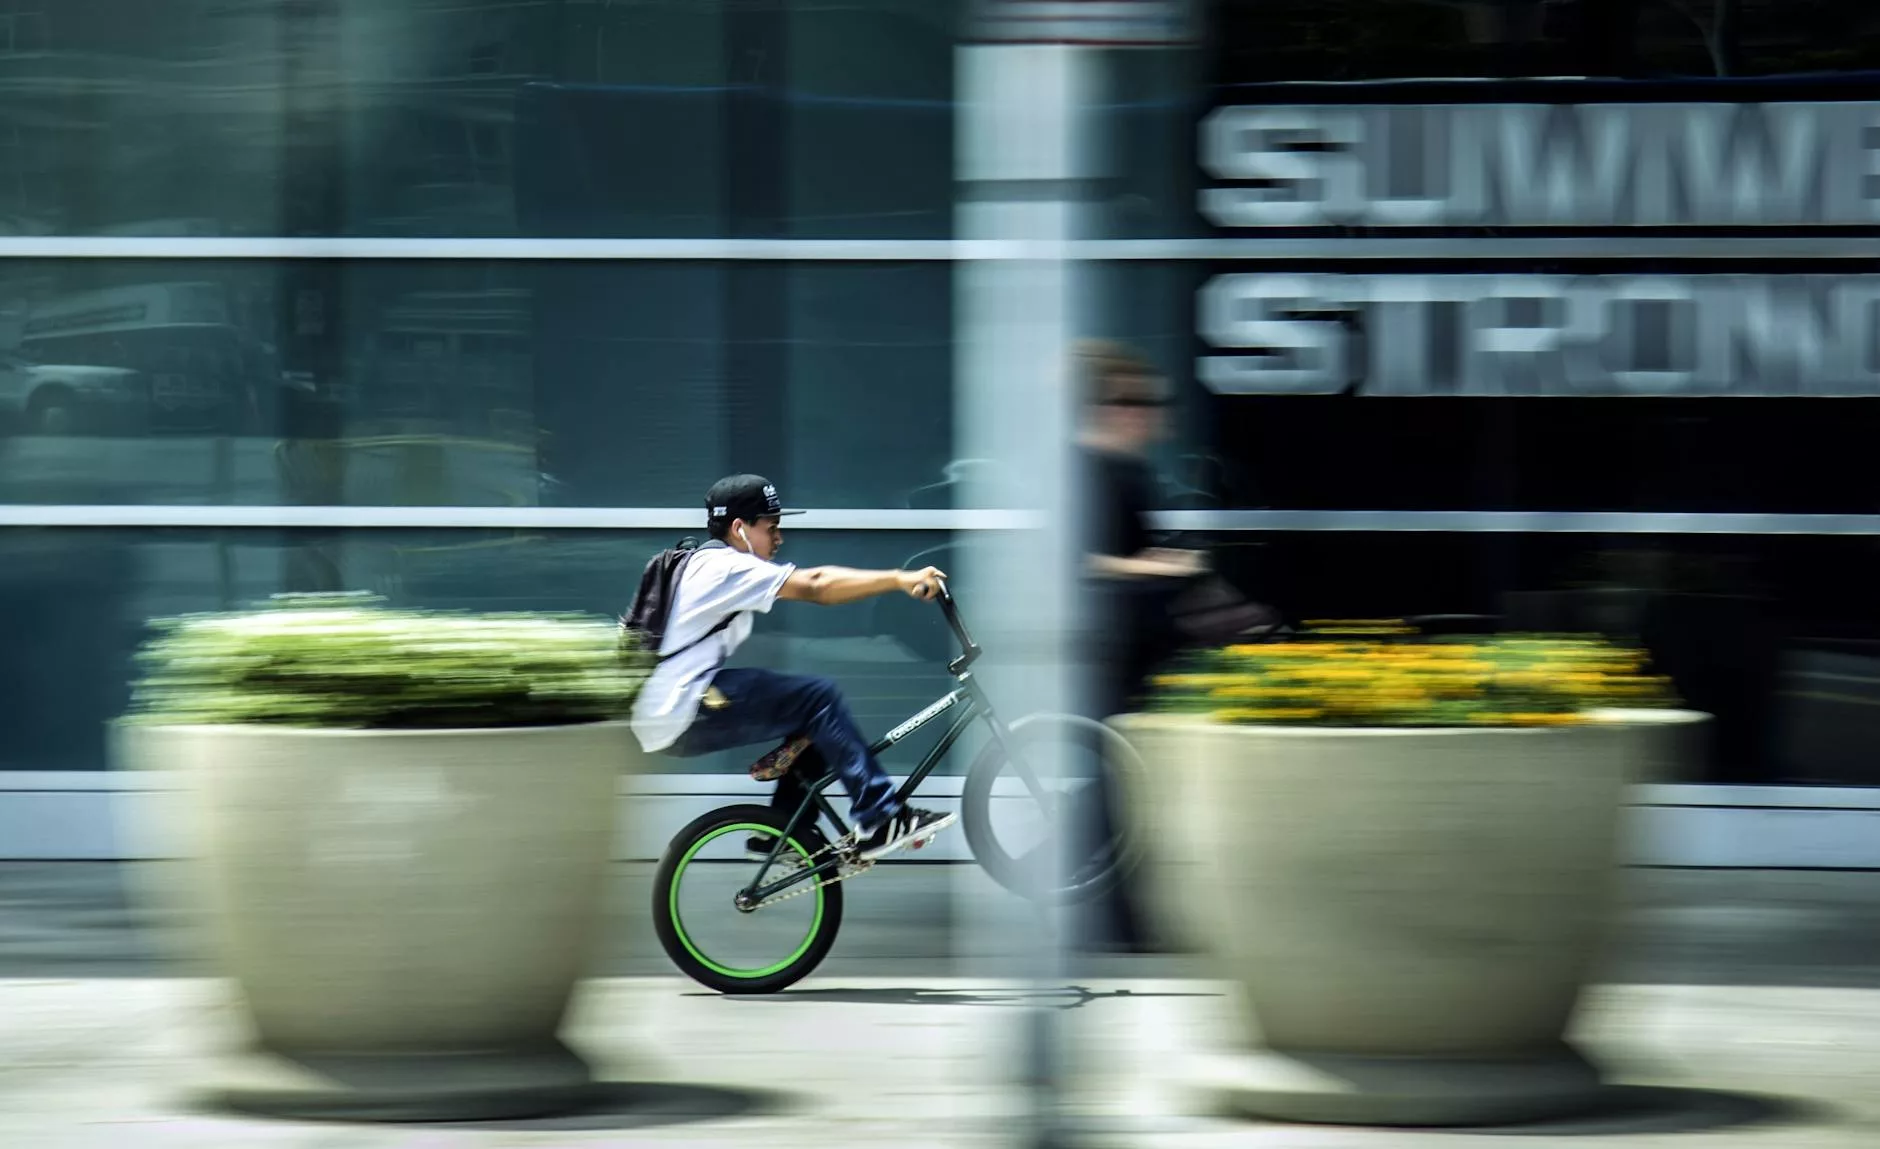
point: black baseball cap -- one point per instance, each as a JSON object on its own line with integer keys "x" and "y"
{"x": 747, "y": 497}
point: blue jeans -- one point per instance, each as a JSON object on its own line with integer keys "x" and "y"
{"x": 767, "y": 707}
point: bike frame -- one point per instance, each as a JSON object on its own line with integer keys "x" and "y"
{"x": 978, "y": 708}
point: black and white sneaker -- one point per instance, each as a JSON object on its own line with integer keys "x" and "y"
{"x": 911, "y": 827}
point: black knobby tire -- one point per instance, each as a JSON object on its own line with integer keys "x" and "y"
{"x": 668, "y": 921}
{"x": 1082, "y": 735}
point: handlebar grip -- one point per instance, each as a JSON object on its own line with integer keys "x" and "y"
{"x": 952, "y": 611}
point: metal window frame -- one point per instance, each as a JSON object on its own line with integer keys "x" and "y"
{"x": 422, "y": 518}
{"x": 1811, "y": 244}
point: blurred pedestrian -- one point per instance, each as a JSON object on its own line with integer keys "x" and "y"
{"x": 1130, "y": 583}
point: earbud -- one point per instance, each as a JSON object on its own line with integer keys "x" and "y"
{"x": 745, "y": 537}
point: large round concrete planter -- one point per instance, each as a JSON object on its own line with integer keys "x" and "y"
{"x": 1411, "y": 913}
{"x": 405, "y": 914}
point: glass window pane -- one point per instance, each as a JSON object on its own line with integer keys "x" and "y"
{"x": 870, "y": 118}
{"x": 479, "y": 118}
{"x": 870, "y": 422}
{"x": 73, "y": 604}
{"x": 1262, "y": 41}
{"x": 466, "y": 383}
{"x": 1575, "y": 433}
{"x": 1777, "y": 636}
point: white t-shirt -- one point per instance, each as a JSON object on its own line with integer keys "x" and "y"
{"x": 715, "y": 582}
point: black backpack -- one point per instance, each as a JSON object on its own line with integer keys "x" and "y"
{"x": 643, "y": 627}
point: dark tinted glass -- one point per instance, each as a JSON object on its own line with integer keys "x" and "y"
{"x": 1343, "y": 40}
{"x": 1777, "y": 636}
{"x": 473, "y": 384}
{"x": 477, "y": 117}
{"x": 73, "y": 604}
{"x": 1536, "y": 447}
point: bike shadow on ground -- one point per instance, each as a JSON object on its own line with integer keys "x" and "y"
{"x": 1060, "y": 997}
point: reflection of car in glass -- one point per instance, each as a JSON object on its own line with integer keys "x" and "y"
{"x": 65, "y": 399}
{"x": 204, "y": 372}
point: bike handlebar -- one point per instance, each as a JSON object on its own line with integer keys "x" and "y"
{"x": 969, "y": 650}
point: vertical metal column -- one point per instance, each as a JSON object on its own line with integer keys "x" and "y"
{"x": 1023, "y": 164}
{"x": 1030, "y": 166}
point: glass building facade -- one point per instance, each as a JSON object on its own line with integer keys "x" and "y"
{"x": 273, "y": 267}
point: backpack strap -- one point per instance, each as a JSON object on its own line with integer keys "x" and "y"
{"x": 722, "y": 623}
{"x": 679, "y": 576}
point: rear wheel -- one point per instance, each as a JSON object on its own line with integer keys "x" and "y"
{"x": 1051, "y": 827}
{"x": 699, "y": 922}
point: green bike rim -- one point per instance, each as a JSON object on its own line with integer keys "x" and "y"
{"x": 678, "y": 923}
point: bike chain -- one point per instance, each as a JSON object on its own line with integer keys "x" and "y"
{"x": 844, "y": 873}
{"x": 851, "y": 868}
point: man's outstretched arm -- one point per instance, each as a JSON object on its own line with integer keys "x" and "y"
{"x": 833, "y": 586}
{"x": 1151, "y": 562}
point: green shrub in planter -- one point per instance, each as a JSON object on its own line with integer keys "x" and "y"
{"x": 349, "y": 661}
{"x": 395, "y": 826}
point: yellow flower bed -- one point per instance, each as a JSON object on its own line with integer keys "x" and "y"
{"x": 1390, "y": 680}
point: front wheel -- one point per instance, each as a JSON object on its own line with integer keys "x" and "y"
{"x": 695, "y": 903}
{"x": 1064, "y": 794}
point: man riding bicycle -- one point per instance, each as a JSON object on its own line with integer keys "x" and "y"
{"x": 692, "y": 705}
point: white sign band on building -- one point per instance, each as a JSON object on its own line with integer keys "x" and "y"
{"x": 1553, "y": 335}
{"x": 1558, "y": 165}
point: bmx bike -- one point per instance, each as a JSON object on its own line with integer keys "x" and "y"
{"x": 773, "y": 863}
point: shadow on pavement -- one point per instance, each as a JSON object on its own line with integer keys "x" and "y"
{"x": 1066, "y": 997}
{"x": 619, "y": 1105}
{"x": 1647, "y": 1109}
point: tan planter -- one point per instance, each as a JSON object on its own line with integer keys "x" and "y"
{"x": 1412, "y": 913}
{"x": 405, "y": 914}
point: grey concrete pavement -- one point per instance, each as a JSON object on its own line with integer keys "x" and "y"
{"x": 97, "y": 1063}
{"x": 1696, "y": 927}
{"x": 1742, "y": 1009}
{"x": 1709, "y": 1066}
